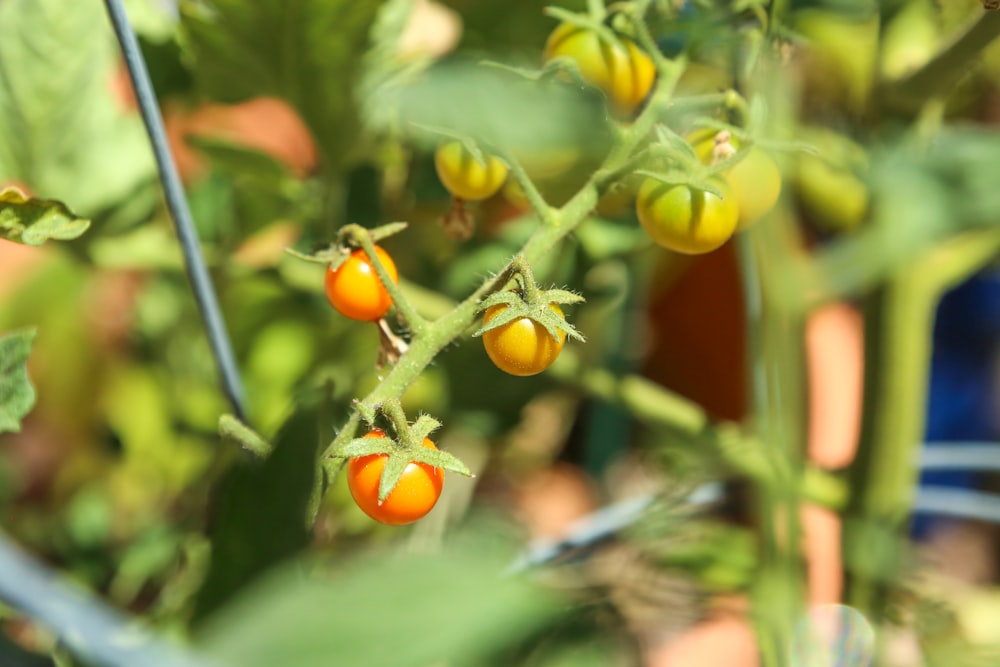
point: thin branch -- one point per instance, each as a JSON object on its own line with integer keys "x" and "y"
{"x": 945, "y": 69}
{"x": 88, "y": 627}
{"x": 201, "y": 282}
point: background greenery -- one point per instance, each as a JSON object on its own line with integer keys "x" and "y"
{"x": 119, "y": 479}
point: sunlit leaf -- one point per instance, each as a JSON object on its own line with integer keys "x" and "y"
{"x": 34, "y": 221}
{"x": 61, "y": 131}
{"x": 17, "y": 396}
{"x": 386, "y": 611}
{"x": 498, "y": 107}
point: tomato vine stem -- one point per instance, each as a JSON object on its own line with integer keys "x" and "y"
{"x": 407, "y": 314}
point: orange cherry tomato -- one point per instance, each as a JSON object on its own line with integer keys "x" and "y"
{"x": 626, "y": 75}
{"x": 411, "y": 499}
{"x": 522, "y": 347}
{"x": 355, "y": 290}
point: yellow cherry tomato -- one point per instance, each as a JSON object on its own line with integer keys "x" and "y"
{"x": 522, "y": 347}
{"x": 625, "y": 74}
{"x": 464, "y": 177}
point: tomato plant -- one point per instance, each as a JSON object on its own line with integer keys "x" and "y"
{"x": 522, "y": 347}
{"x": 356, "y": 291}
{"x": 464, "y": 176}
{"x": 413, "y": 497}
{"x": 685, "y": 219}
{"x": 133, "y": 445}
{"x": 625, "y": 73}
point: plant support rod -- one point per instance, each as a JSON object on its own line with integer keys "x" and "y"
{"x": 201, "y": 282}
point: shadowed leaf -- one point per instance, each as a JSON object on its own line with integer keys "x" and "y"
{"x": 17, "y": 396}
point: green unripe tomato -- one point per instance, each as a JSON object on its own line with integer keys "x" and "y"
{"x": 684, "y": 219}
{"x": 755, "y": 180}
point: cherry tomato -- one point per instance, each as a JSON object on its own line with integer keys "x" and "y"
{"x": 355, "y": 290}
{"x": 625, "y": 75}
{"x": 686, "y": 220}
{"x": 412, "y": 498}
{"x": 522, "y": 347}
{"x": 466, "y": 178}
{"x": 755, "y": 180}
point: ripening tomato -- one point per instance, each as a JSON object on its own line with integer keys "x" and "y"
{"x": 464, "y": 177}
{"x": 685, "y": 219}
{"x": 755, "y": 180}
{"x": 355, "y": 290}
{"x": 412, "y": 498}
{"x": 522, "y": 347}
{"x": 626, "y": 75}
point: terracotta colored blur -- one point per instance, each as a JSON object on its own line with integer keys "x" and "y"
{"x": 698, "y": 351}
{"x": 721, "y": 642}
{"x": 834, "y": 346}
{"x": 266, "y": 124}
{"x": 699, "y": 332}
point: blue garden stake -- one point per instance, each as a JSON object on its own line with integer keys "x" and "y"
{"x": 201, "y": 282}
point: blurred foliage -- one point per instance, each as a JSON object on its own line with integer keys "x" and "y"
{"x": 386, "y": 610}
{"x": 118, "y": 476}
{"x": 60, "y": 130}
{"x": 17, "y": 396}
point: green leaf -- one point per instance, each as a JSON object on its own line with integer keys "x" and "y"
{"x": 231, "y": 428}
{"x": 61, "y": 131}
{"x": 602, "y": 239}
{"x": 395, "y": 465}
{"x": 254, "y": 165}
{"x": 259, "y": 512}
{"x": 34, "y": 221}
{"x": 17, "y": 396}
{"x": 366, "y": 447}
{"x": 387, "y": 610}
{"x": 442, "y": 459}
{"x": 499, "y": 108}
{"x": 306, "y": 52}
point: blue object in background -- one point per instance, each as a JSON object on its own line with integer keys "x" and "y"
{"x": 963, "y": 398}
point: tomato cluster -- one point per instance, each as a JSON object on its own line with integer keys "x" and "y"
{"x": 525, "y": 331}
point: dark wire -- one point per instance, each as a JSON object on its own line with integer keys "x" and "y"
{"x": 201, "y": 282}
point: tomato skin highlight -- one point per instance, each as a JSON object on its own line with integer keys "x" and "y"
{"x": 522, "y": 347}
{"x": 625, "y": 75}
{"x": 354, "y": 288}
{"x": 413, "y": 497}
{"x": 464, "y": 177}
{"x": 686, "y": 220}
